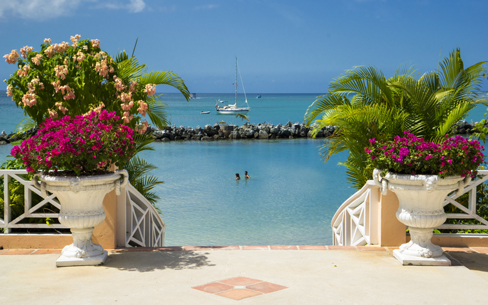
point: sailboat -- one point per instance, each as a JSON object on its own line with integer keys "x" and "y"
{"x": 233, "y": 109}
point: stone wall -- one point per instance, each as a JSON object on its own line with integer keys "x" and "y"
{"x": 246, "y": 131}
{"x": 222, "y": 132}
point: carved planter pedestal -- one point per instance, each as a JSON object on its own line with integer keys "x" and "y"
{"x": 421, "y": 208}
{"x": 81, "y": 201}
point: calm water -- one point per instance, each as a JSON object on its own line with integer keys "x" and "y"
{"x": 290, "y": 198}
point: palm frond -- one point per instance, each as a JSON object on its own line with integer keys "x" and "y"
{"x": 165, "y": 78}
{"x": 454, "y": 116}
{"x": 143, "y": 142}
{"x": 26, "y": 124}
{"x": 156, "y": 109}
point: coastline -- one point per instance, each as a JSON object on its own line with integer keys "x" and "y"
{"x": 262, "y": 131}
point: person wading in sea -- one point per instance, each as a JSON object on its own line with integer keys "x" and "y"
{"x": 247, "y": 175}
{"x": 237, "y": 177}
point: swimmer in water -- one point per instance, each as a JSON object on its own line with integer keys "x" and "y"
{"x": 247, "y": 175}
{"x": 237, "y": 177}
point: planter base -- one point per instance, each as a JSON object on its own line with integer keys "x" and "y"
{"x": 408, "y": 260}
{"x": 64, "y": 261}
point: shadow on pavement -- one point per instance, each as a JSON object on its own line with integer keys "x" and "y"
{"x": 472, "y": 261}
{"x": 156, "y": 260}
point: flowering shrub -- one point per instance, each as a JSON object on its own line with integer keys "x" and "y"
{"x": 82, "y": 145}
{"x": 412, "y": 155}
{"x": 74, "y": 79}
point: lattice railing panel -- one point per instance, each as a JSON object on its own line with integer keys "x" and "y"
{"x": 30, "y": 210}
{"x": 352, "y": 226}
{"x": 145, "y": 228}
{"x": 470, "y": 211}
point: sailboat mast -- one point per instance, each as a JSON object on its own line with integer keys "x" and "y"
{"x": 236, "y": 81}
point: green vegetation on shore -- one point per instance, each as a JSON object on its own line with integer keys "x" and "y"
{"x": 364, "y": 104}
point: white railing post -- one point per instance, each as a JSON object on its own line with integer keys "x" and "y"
{"x": 121, "y": 230}
{"x": 374, "y": 216}
{"x": 7, "y": 211}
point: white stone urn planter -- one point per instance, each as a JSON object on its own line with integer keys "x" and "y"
{"x": 421, "y": 208}
{"x": 81, "y": 201}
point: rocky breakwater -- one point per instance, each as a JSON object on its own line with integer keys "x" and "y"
{"x": 13, "y": 137}
{"x": 234, "y": 132}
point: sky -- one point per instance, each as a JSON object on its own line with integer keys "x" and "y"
{"x": 282, "y": 46}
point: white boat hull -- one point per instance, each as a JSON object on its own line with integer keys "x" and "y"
{"x": 233, "y": 111}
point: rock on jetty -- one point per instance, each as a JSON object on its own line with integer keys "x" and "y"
{"x": 234, "y": 132}
{"x": 13, "y": 137}
{"x": 223, "y": 132}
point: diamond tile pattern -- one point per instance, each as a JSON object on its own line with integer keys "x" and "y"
{"x": 238, "y": 288}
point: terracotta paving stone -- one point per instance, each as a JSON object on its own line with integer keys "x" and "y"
{"x": 480, "y": 250}
{"x": 458, "y": 249}
{"x": 214, "y": 287}
{"x": 18, "y": 252}
{"x": 255, "y": 247}
{"x": 312, "y": 247}
{"x": 226, "y": 248}
{"x": 116, "y": 250}
{"x": 283, "y": 247}
{"x": 47, "y": 251}
{"x": 370, "y": 248}
{"x": 341, "y": 248}
{"x": 239, "y": 294}
{"x": 139, "y": 249}
{"x": 240, "y": 281}
{"x": 197, "y": 248}
{"x": 266, "y": 287}
{"x": 169, "y": 249}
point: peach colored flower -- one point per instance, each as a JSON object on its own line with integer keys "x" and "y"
{"x": 141, "y": 128}
{"x": 124, "y": 97}
{"x": 57, "y": 85}
{"x": 23, "y": 72}
{"x": 118, "y": 84}
{"x": 11, "y": 58}
{"x": 80, "y": 58}
{"x": 70, "y": 95}
{"x": 29, "y": 99}
{"x": 37, "y": 59}
{"x": 53, "y": 113}
{"x": 61, "y": 107}
{"x": 127, "y": 119}
{"x": 47, "y": 40}
{"x": 150, "y": 89}
{"x": 142, "y": 108}
{"x": 61, "y": 71}
{"x": 74, "y": 40}
{"x": 9, "y": 90}
{"x": 26, "y": 50}
{"x": 33, "y": 83}
{"x": 133, "y": 85}
{"x": 61, "y": 47}
{"x": 95, "y": 43}
{"x": 49, "y": 52}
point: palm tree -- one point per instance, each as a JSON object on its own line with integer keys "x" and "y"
{"x": 138, "y": 169}
{"x": 364, "y": 104}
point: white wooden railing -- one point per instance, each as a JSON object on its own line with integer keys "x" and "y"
{"x": 138, "y": 222}
{"x": 356, "y": 221}
{"x": 470, "y": 211}
{"x": 352, "y": 223}
{"x": 143, "y": 224}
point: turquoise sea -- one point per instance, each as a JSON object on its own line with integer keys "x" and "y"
{"x": 291, "y": 196}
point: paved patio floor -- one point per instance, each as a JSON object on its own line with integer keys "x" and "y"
{"x": 244, "y": 275}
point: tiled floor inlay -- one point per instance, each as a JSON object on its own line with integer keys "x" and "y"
{"x": 238, "y": 288}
